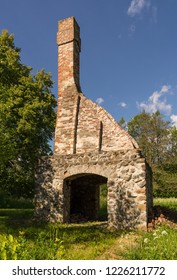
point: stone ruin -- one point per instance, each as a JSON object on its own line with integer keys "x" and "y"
{"x": 90, "y": 149}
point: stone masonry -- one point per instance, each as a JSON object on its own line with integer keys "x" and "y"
{"x": 90, "y": 149}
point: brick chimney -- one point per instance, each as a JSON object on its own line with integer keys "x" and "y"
{"x": 69, "y": 45}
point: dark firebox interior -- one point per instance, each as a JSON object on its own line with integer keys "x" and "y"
{"x": 85, "y": 197}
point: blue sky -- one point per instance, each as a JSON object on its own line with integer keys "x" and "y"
{"x": 128, "y": 52}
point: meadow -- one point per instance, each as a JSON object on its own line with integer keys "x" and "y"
{"x": 21, "y": 238}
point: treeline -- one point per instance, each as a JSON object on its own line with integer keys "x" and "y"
{"x": 157, "y": 139}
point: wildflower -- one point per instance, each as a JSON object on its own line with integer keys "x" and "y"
{"x": 21, "y": 232}
{"x": 146, "y": 240}
{"x": 156, "y": 237}
{"x": 164, "y": 232}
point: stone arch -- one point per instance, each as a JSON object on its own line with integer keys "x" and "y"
{"x": 82, "y": 197}
{"x": 98, "y": 169}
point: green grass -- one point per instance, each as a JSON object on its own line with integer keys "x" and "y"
{"x": 87, "y": 241}
{"x": 160, "y": 244}
{"x": 170, "y": 203}
{"x": 42, "y": 241}
{"x": 103, "y": 203}
{"x": 7, "y": 201}
{"x": 82, "y": 241}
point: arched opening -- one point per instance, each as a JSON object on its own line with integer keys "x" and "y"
{"x": 82, "y": 197}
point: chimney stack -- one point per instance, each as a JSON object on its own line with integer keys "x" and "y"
{"x": 69, "y": 46}
{"x": 69, "y": 43}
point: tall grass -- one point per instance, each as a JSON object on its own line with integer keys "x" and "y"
{"x": 170, "y": 203}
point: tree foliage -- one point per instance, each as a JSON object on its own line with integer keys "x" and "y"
{"x": 151, "y": 132}
{"x": 158, "y": 143}
{"x": 27, "y": 117}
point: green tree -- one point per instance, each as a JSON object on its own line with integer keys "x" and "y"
{"x": 172, "y": 148}
{"x": 171, "y": 163}
{"x": 160, "y": 137}
{"x": 122, "y": 122}
{"x": 151, "y": 132}
{"x": 158, "y": 142}
{"x": 27, "y": 118}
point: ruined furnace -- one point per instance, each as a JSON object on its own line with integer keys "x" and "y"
{"x": 90, "y": 149}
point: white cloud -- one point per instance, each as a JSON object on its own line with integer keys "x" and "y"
{"x": 157, "y": 102}
{"x": 99, "y": 100}
{"x": 174, "y": 120}
{"x": 136, "y": 7}
{"x": 165, "y": 88}
{"x": 123, "y": 104}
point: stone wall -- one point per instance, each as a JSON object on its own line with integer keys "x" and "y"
{"x": 125, "y": 172}
{"x": 81, "y": 125}
{"x": 98, "y": 131}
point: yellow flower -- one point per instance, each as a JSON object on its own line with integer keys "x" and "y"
{"x": 21, "y": 232}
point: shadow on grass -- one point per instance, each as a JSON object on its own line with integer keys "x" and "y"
{"x": 14, "y": 220}
{"x": 80, "y": 241}
{"x": 170, "y": 214}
